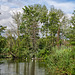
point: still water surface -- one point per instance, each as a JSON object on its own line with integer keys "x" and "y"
{"x": 32, "y": 67}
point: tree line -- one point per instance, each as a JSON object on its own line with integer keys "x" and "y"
{"x": 37, "y": 30}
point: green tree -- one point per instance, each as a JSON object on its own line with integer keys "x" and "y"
{"x": 2, "y": 29}
{"x": 11, "y": 44}
{"x": 2, "y": 39}
{"x": 30, "y": 24}
{"x": 71, "y": 34}
{"x": 2, "y": 44}
{"x": 17, "y": 20}
{"x": 51, "y": 24}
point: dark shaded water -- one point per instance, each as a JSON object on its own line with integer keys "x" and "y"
{"x": 32, "y": 67}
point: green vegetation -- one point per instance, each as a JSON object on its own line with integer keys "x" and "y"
{"x": 62, "y": 61}
{"x": 41, "y": 33}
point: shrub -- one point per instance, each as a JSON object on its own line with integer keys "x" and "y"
{"x": 62, "y": 60}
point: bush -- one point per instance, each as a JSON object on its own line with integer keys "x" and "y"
{"x": 62, "y": 60}
{"x": 42, "y": 53}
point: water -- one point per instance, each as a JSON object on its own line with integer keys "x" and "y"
{"x": 32, "y": 67}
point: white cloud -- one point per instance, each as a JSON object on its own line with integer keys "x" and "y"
{"x": 69, "y": 16}
{"x": 4, "y": 0}
{"x": 5, "y": 22}
{"x": 6, "y": 15}
{"x": 8, "y": 9}
{"x": 67, "y": 7}
{"x": 4, "y": 8}
{"x": 4, "y": 12}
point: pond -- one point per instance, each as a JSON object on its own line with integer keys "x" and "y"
{"x": 32, "y": 67}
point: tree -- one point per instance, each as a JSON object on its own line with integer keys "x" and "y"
{"x": 2, "y": 43}
{"x": 53, "y": 25}
{"x": 11, "y": 44}
{"x": 2, "y": 29}
{"x": 17, "y": 20}
{"x": 71, "y": 34}
{"x": 2, "y": 39}
{"x": 30, "y": 24}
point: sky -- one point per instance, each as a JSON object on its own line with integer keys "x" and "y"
{"x": 7, "y": 7}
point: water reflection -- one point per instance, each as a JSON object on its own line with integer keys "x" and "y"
{"x": 17, "y": 69}
{"x": 33, "y": 68}
{"x": 23, "y": 68}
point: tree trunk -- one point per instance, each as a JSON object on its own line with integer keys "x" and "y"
{"x": 58, "y": 37}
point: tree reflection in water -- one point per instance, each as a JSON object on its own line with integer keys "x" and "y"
{"x": 22, "y": 68}
{"x": 33, "y": 68}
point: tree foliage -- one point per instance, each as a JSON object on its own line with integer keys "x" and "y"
{"x": 71, "y": 34}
